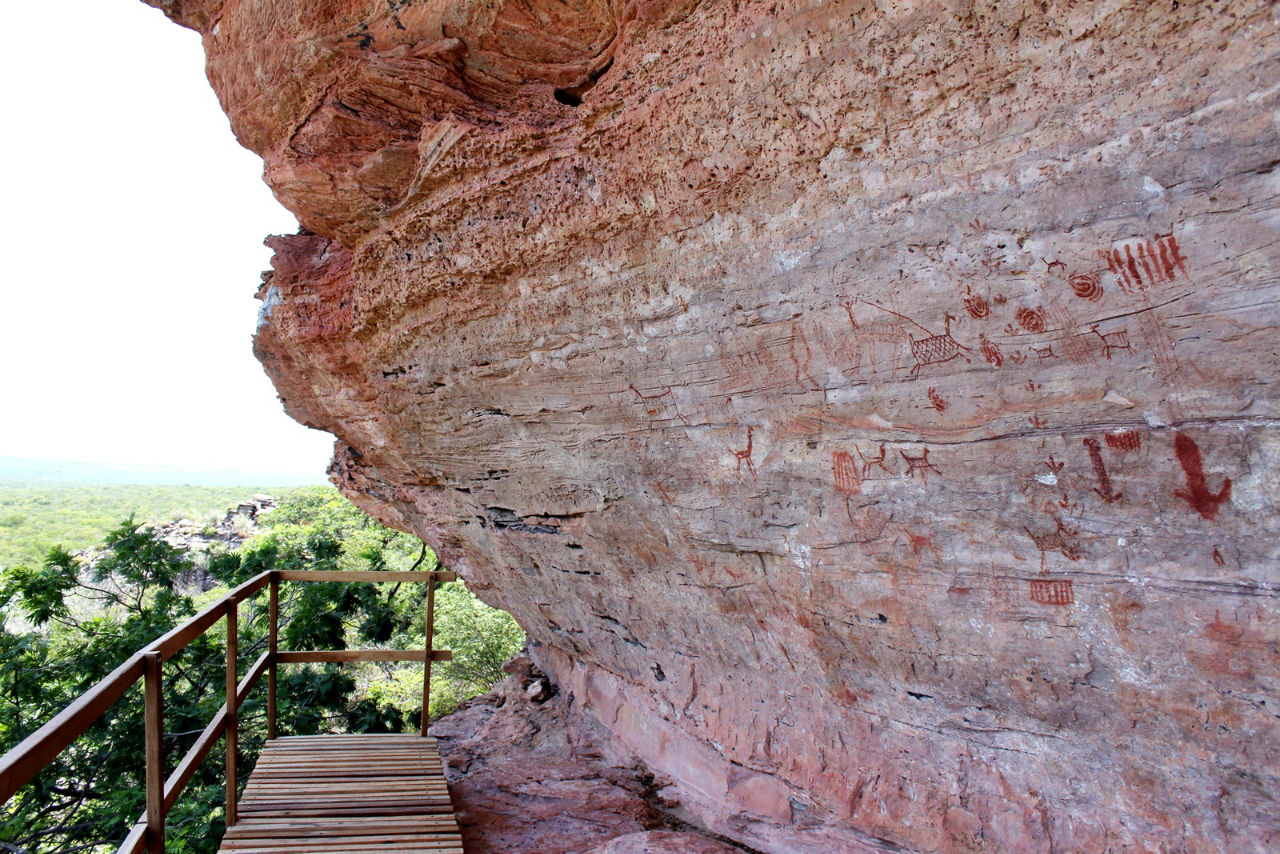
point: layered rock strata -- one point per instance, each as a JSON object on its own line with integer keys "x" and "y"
{"x": 868, "y": 408}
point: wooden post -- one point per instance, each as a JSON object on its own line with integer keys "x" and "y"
{"x": 430, "y": 645}
{"x": 232, "y": 711}
{"x": 273, "y": 617}
{"x": 153, "y": 699}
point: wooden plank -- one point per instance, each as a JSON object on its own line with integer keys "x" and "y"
{"x": 351, "y": 825}
{"x": 346, "y": 793}
{"x": 363, "y": 575}
{"x": 273, "y": 647}
{"x": 347, "y": 843}
{"x": 22, "y": 763}
{"x": 173, "y": 642}
{"x": 153, "y": 736}
{"x": 315, "y": 656}
{"x": 430, "y": 638}
{"x": 186, "y": 769}
{"x": 233, "y": 712}
{"x": 136, "y": 841}
{"x": 274, "y": 847}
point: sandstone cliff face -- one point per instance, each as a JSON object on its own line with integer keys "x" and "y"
{"x": 868, "y": 408}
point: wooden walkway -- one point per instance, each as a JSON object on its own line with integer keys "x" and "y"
{"x": 330, "y": 793}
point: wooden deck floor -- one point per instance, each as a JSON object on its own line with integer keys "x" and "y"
{"x": 330, "y": 793}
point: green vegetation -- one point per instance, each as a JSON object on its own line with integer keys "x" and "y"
{"x": 33, "y": 519}
{"x": 88, "y": 619}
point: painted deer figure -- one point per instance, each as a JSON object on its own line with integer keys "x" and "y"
{"x": 874, "y": 461}
{"x": 920, "y": 464}
{"x": 1055, "y": 541}
{"x": 744, "y": 456}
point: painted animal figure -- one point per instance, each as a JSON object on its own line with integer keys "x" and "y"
{"x": 874, "y": 461}
{"x": 936, "y": 349}
{"x": 920, "y": 464}
{"x": 933, "y": 350}
{"x": 1112, "y": 340}
{"x": 1055, "y": 541}
{"x": 744, "y": 456}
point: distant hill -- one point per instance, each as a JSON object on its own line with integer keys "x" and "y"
{"x": 15, "y": 471}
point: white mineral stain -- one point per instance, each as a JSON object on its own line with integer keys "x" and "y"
{"x": 269, "y": 301}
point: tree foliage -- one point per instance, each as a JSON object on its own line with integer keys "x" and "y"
{"x": 34, "y": 518}
{"x": 69, "y": 621}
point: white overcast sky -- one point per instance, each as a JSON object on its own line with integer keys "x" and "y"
{"x": 132, "y": 226}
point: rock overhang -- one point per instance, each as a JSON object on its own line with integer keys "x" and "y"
{"x": 864, "y": 407}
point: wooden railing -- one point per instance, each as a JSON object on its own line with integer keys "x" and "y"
{"x": 20, "y": 765}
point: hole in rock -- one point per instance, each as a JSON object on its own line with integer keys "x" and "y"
{"x": 568, "y": 98}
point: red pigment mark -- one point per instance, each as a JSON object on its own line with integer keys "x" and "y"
{"x": 800, "y": 355}
{"x": 869, "y": 526}
{"x": 1130, "y": 265}
{"x": 1037, "y": 421}
{"x": 936, "y": 399}
{"x": 875, "y": 461}
{"x": 1167, "y": 243}
{"x": 1100, "y": 469}
{"x": 1052, "y": 265}
{"x": 1031, "y": 319}
{"x": 998, "y": 299}
{"x": 1146, "y": 264}
{"x": 1054, "y": 465}
{"x": 1087, "y": 286}
{"x": 845, "y": 472}
{"x": 1113, "y": 340}
{"x": 1124, "y": 440}
{"x": 743, "y": 368}
{"x": 919, "y": 464}
{"x": 1197, "y": 493}
{"x": 990, "y": 351}
{"x": 975, "y": 304}
{"x": 744, "y": 456}
{"x": 1047, "y": 592}
{"x": 1018, "y": 357}
{"x": 652, "y": 409}
{"x": 921, "y": 543}
{"x": 1044, "y": 354}
{"x": 933, "y": 350}
{"x": 936, "y": 349}
{"x": 1055, "y": 541}
{"x": 1218, "y": 559}
{"x": 1033, "y": 386}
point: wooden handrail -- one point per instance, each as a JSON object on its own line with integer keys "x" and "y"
{"x": 22, "y": 763}
{"x": 317, "y": 656}
{"x": 36, "y": 752}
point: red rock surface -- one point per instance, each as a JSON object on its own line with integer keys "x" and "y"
{"x": 534, "y": 776}
{"x": 662, "y": 842}
{"x": 867, "y": 408}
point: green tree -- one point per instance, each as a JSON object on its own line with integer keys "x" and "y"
{"x": 82, "y": 619}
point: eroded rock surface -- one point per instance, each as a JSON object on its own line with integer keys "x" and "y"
{"x": 867, "y": 408}
{"x": 529, "y": 773}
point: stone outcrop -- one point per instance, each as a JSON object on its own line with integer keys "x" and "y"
{"x": 529, "y": 772}
{"x": 868, "y": 408}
